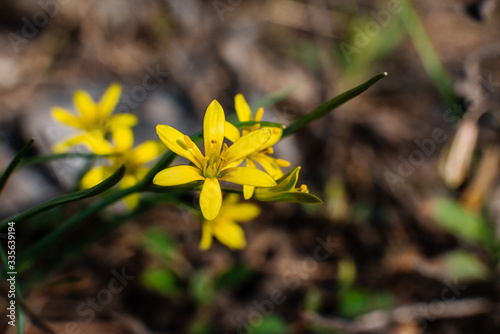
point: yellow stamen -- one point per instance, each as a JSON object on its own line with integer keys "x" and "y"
{"x": 304, "y": 189}
{"x": 270, "y": 150}
{"x": 282, "y": 163}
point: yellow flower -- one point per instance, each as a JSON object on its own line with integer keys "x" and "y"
{"x": 122, "y": 153}
{"x": 271, "y": 165}
{"x": 225, "y": 228}
{"x": 218, "y": 163}
{"x": 94, "y": 118}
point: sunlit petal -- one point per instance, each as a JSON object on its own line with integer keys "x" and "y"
{"x": 64, "y": 116}
{"x": 109, "y": 100}
{"x": 242, "y": 109}
{"x": 123, "y": 139}
{"x": 65, "y": 144}
{"x": 248, "y": 190}
{"x": 213, "y": 128}
{"x": 95, "y": 176}
{"x": 147, "y": 151}
{"x": 86, "y": 105}
{"x": 176, "y": 142}
{"x": 229, "y": 233}
{"x": 247, "y": 176}
{"x": 241, "y": 212}
{"x": 210, "y": 199}
{"x": 177, "y": 175}
{"x": 206, "y": 235}
{"x": 276, "y": 134}
{"x": 270, "y": 165}
{"x": 231, "y": 132}
{"x": 246, "y": 145}
{"x": 122, "y": 121}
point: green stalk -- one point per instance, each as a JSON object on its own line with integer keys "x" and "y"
{"x": 328, "y": 106}
{"x": 15, "y": 162}
{"x": 68, "y": 198}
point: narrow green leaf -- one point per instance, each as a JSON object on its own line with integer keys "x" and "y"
{"x": 15, "y": 162}
{"x": 58, "y": 156}
{"x": 464, "y": 266}
{"x": 454, "y": 218}
{"x": 68, "y": 198}
{"x": 328, "y": 106}
{"x": 240, "y": 125}
{"x": 427, "y": 53}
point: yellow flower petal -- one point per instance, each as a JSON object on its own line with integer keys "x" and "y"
{"x": 147, "y": 151}
{"x": 247, "y": 176}
{"x": 248, "y": 190}
{"x": 128, "y": 181}
{"x": 231, "y": 132}
{"x": 246, "y": 145}
{"x": 229, "y": 233}
{"x": 63, "y": 146}
{"x": 123, "y": 139}
{"x": 175, "y": 142}
{"x": 270, "y": 165}
{"x": 109, "y": 100}
{"x": 122, "y": 121}
{"x": 276, "y": 134}
{"x": 240, "y": 212}
{"x": 95, "y": 176}
{"x": 259, "y": 114}
{"x": 177, "y": 175}
{"x": 64, "y": 116}
{"x": 86, "y": 105}
{"x": 213, "y": 128}
{"x": 96, "y": 142}
{"x": 206, "y": 235}
{"x": 210, "y": 199}
{"x": 242, "y": 109}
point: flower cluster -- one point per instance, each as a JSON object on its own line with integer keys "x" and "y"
{"x": 110, "y": 135}
{"x": 250, "y": 143}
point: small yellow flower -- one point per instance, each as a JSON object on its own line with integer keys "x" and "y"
{"x": 219, "y": 162}
{"x": 271, "y": 165}
{"x": 122, "y": 153}
{"x": 94, "y": 118}
{"x": 225, "y": 227}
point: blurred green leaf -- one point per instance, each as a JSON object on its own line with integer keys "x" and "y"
{"x": 353, "y": 302}
{"x": 160, "y": 243}
{"x": 312, "y": 301}
{"x": 68, "y": 198}
{"x": 160, "y": 280}
{"x": 14, "y": 163}
{"x": 238, "y": 274}
{"x": 272, "y": 324}
{"x": 464, "y": 266}
{"x": 454, "y": 218}
{"x": 346, "y": 272}
{"x": 201, "y": 287}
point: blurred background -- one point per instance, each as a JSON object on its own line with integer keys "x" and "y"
{"x": 406, "y": 240}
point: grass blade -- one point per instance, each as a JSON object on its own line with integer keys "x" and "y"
{"x": 328, "y": 106}
{"x": 68, "y": 198}
{"x": 15, "y": 162}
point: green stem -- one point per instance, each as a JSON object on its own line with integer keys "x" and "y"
{"x": 328, "y": 106}
{"x": 14, "y": 163}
